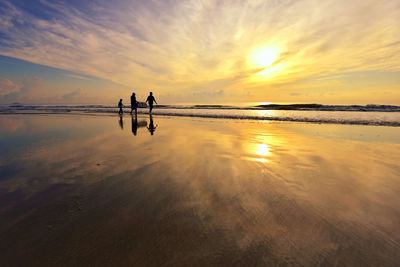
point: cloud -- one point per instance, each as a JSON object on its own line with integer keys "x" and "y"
{"x": 184, "y": 45}
{"x": 29, "y": 91}
{"x": 8, "y": 87}
{"x": 72, "y": 95}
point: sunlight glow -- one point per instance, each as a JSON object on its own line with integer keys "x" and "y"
{"x": 271, "y": 72}
{"x": 200, "y": 52}
{"x": 262, "y": 150}
{"x": 258, "y": 152}
{"x": 263, "y": 57}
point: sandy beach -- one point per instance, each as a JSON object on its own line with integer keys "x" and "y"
{"x": 82, "y": 190}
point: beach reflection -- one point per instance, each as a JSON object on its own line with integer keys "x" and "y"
{"x": 152, "y": 127}
{"x": 281, "y": 193}
{"x": 258, "y": 152}
{"x": 121, "y": 121}
{"x": 260, "y": 146}
{"x": 138, "y": 123}
{"x": 263, "y": 150}
{"x": 135, "y": 124}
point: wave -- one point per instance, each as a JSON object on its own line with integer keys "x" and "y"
{"x": 303, "y": 107}
{"x": 370, "y": 107}
{"x": 289, "y": 119}
{"x": 355, "y": 116}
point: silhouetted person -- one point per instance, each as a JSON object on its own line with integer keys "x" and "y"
{"x": 120, "y": 105}
{"x": 151, "y": 127}
{"x": 151, "y": 100}
{"x": 134, "y": 124}
{"x": 121, "y": 122}
{"x": 134, "y": 103}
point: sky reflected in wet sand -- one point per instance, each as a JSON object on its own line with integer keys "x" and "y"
{"x": 104, "y": 190}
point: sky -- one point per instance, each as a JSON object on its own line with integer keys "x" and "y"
{"x": 200, "y": 51}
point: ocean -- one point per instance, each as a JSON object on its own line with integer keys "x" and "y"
{"x": 382, "y": 115}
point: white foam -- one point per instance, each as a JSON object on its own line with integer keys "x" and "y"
{"x": 376, "y": 115}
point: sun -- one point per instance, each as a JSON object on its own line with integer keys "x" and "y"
{"x": 263, "y": 57}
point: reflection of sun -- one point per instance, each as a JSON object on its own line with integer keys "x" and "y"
{"x": 262, "y": 150}
{"x": 261, "y": 146}
{"x": 258, "y": 152}
{"x": 263, "y": 57}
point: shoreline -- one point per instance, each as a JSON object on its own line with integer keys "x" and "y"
{"x": 207, "y": 116}
{"x": 270, "y": 107}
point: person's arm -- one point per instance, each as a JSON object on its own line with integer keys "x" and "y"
{"x": 155, "y": 100}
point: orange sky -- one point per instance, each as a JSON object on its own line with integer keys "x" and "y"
{"x": 332, "y": 51}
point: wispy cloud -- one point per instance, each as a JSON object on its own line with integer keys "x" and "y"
{"x": 185, "y": 46}
{"x": 27, "y": 91}
{"x": 8, "y": 87}
{"x": 72, "y": 95}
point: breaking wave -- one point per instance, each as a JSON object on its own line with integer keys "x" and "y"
{"x": 384, "y": 115}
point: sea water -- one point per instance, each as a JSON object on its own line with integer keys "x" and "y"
{"x": 352, "y": 114}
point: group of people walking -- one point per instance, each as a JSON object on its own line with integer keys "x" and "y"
{"x": 134, "y": 103}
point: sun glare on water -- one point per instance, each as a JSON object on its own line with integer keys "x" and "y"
{"x": 262, "y": 150}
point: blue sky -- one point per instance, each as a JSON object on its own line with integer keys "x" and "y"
{"x": 200, "y": 51}
{"x": 28, "y": 82}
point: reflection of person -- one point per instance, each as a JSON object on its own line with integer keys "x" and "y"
{"x": 120, "y": 105}
{"x": 121, "y": 122}
{"x": 150, "y": 100}
{"x": 134, "y": 124}
{"x": 151, "y": 127}
{"x": 133, "y": 103}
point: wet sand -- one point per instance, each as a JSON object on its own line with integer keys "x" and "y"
{"x": 79, "y": 190}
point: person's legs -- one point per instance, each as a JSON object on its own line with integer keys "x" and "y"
{"x": 151, "y": 108}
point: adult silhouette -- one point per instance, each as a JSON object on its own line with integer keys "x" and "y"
{"x": 150, "y": 99}
{"x": 134, "y": 103}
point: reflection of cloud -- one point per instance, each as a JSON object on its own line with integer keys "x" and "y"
{"x": 10, "y": 125}
{"x": 300, "y": 208}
